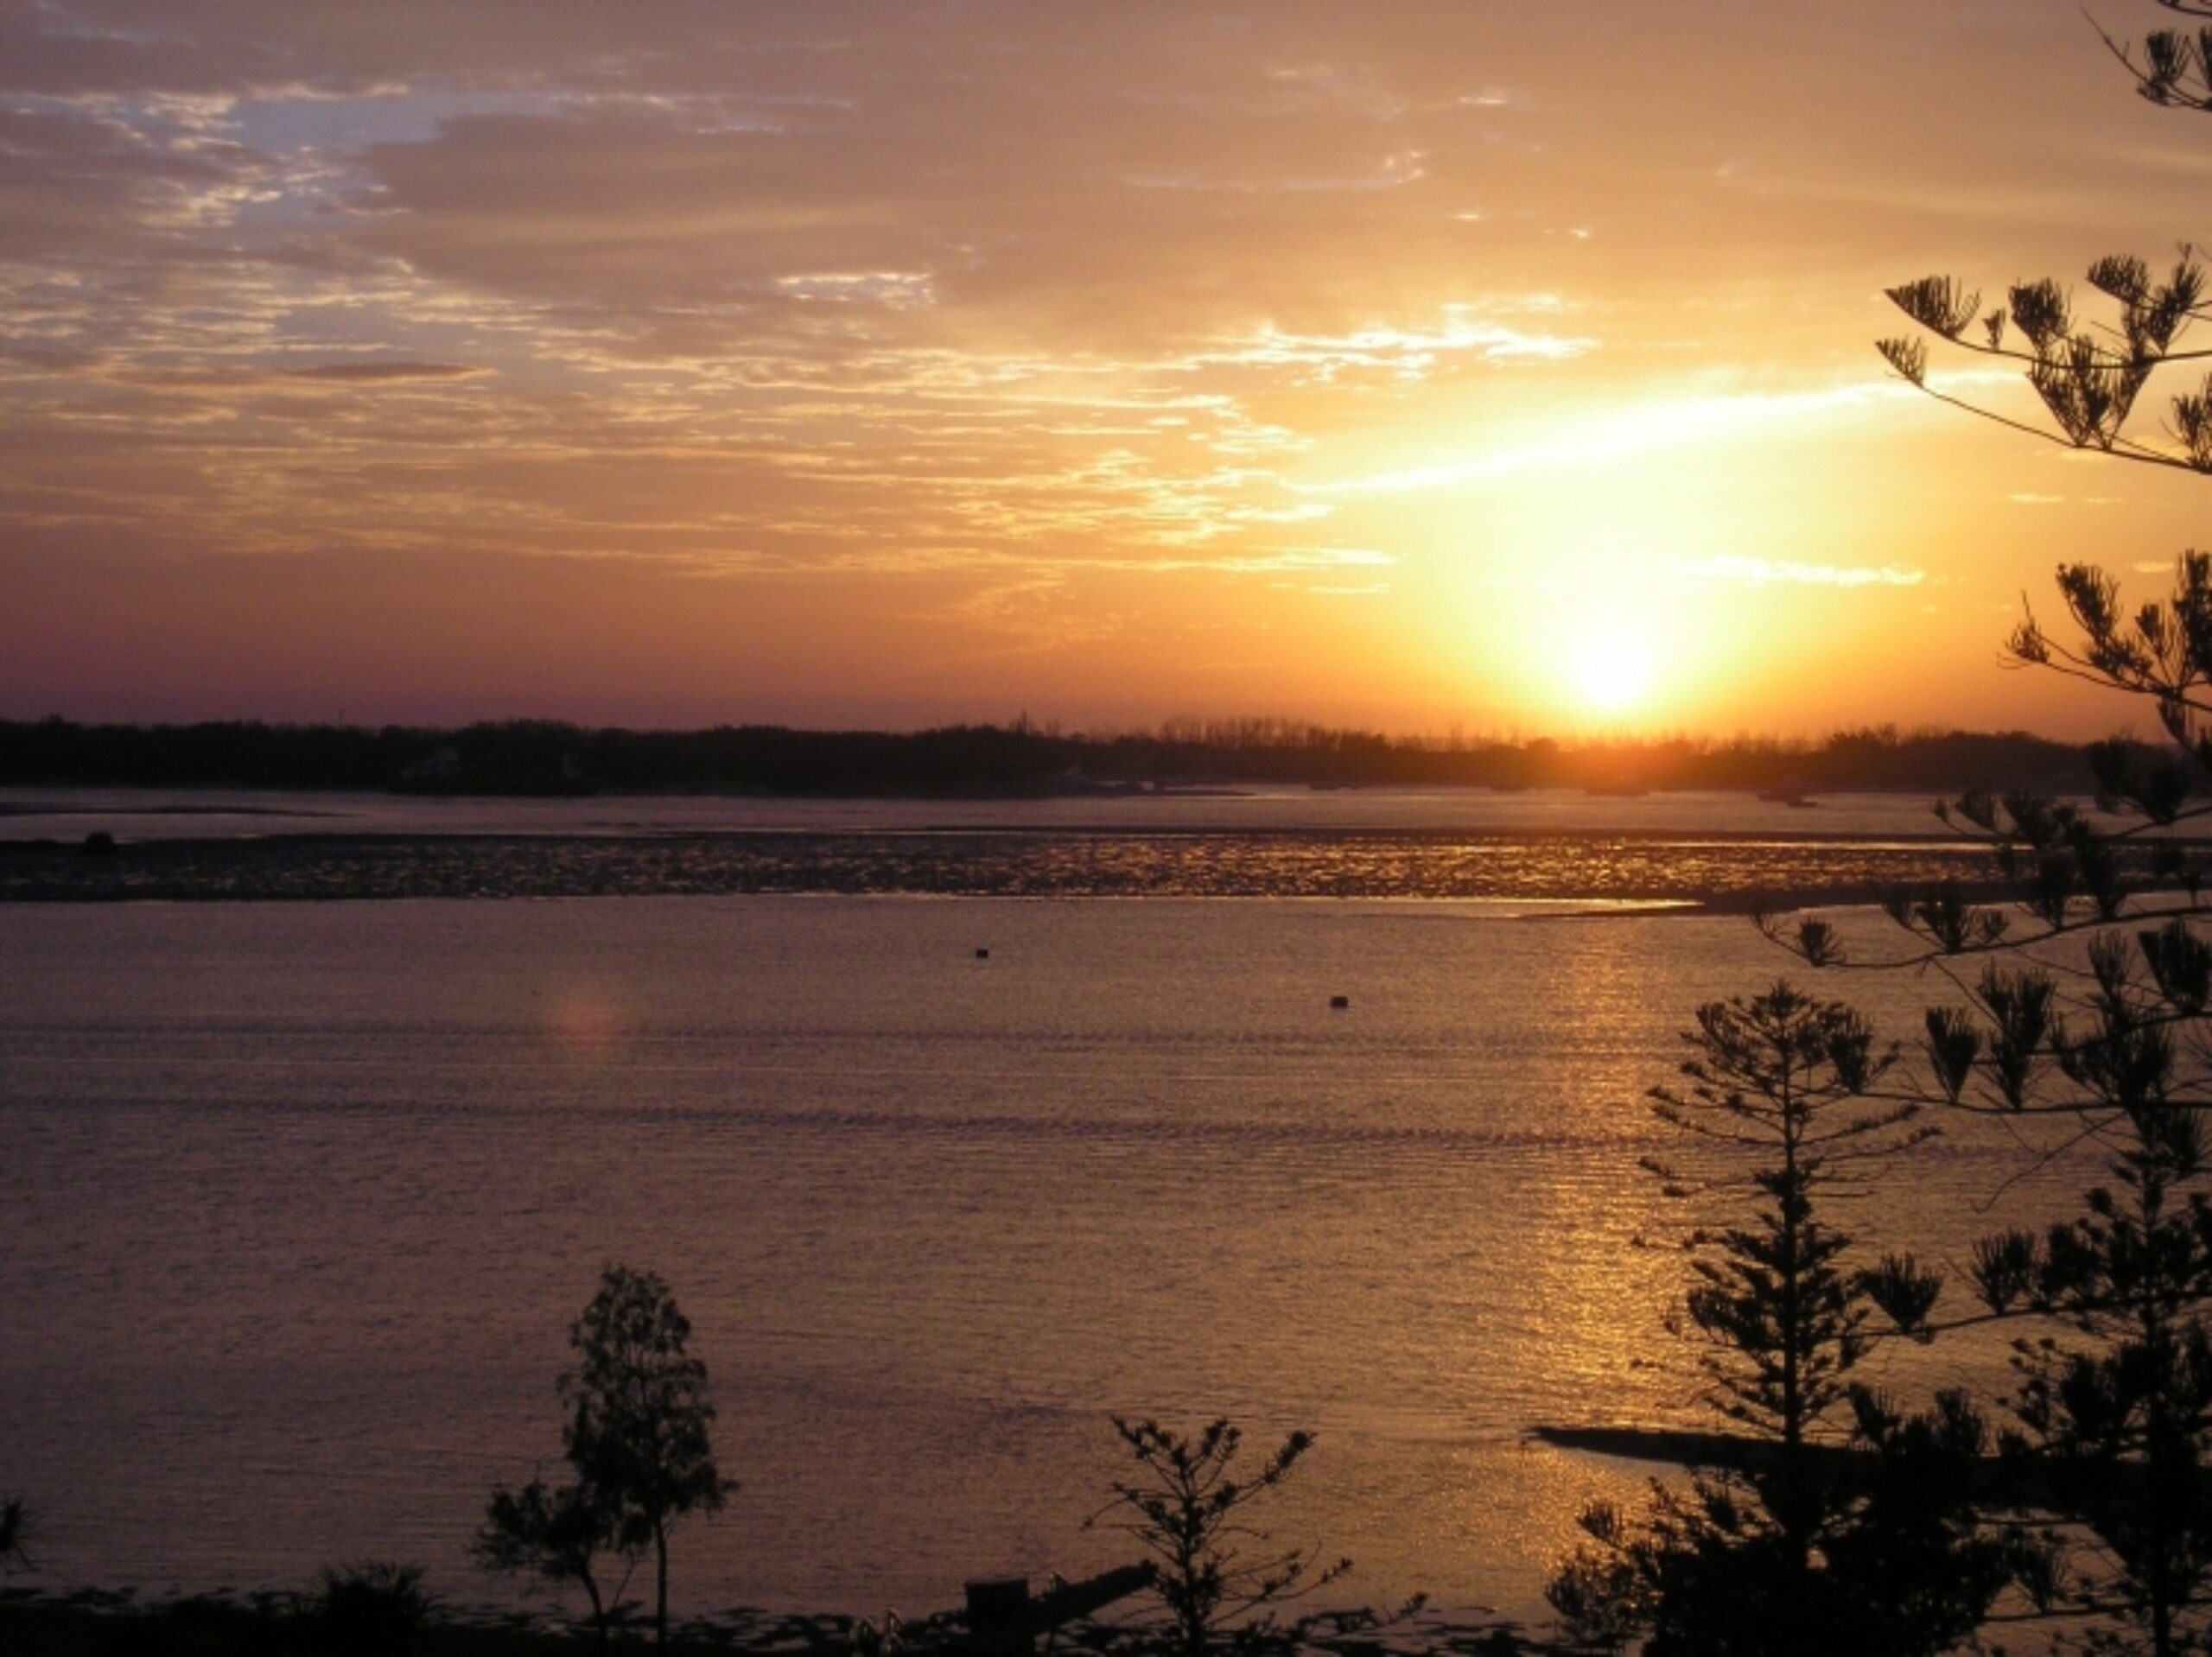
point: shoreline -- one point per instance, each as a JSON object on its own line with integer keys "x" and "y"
{"x": 106, "y": 1623}
{"x": 1603, "y": 873}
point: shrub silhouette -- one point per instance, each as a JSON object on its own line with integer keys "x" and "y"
{"x": 1187, "y": 1508}
{"x": 557, "y": 1535}
{"x": 375, "y": 1608}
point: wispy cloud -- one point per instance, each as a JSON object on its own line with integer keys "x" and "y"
{"x": 955, "y": 324}
{"x": 383, "y": 373}
{"x": 1409, "y": 352}
{"x": 1766, "y": 572}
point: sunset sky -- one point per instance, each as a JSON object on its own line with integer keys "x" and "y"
{"x": 1480, "y": 362}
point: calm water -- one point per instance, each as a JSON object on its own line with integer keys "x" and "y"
{"x": 302, "y": 1197}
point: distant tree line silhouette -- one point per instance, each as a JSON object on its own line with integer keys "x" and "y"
{"x": 539, "y": 757}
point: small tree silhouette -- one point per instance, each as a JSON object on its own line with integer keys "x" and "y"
{"x": 2119, "y": 1408}
{"x": 1831, "y": 1530}
{"x": 638, "y": 1432}
{"x": 1187, "y": 1510}
{"x": 558, "y": 1535}
{"x": 16, "y": 1525}
{"x": 637, "y": 1436}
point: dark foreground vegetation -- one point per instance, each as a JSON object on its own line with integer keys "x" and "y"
{"x": 537, "y": 757}
{"x": 108, "y": 1625}
{"x": 2069, "y": 1507}
{"x": 638, "y": 1418}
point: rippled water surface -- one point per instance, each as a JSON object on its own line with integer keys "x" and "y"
{"x": 301, "y": 1197}
{"x": 143, "y": 813}
{"x": 1729, "y": 850}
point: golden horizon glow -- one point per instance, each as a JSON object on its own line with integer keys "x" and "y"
{"x": 1360, "y": 364}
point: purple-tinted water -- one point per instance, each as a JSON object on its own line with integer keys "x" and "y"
{"x": 301, "y": 1197}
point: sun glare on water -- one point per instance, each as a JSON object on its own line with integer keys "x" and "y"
{"x": 1610, "y": 670}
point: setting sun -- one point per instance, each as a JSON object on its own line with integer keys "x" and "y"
{"x": 1610, "y": 670}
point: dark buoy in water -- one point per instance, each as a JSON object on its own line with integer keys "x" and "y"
{"x": 982, "y": 955}
{"x": 1339, "y": 1003}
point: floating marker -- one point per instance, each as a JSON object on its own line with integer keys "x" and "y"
{"x": 982, "y": 955}
{"x": 1340, "y": 1002}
